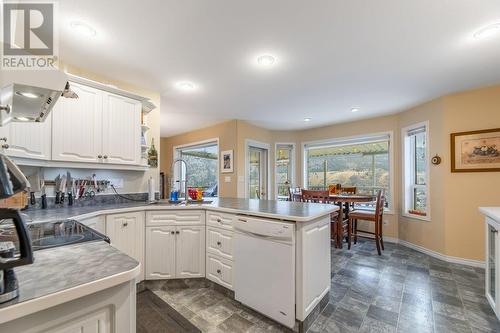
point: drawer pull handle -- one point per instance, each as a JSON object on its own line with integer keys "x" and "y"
{"x": 218, "y": 271}
{"x": 177, "y": 232}
{"x": 172, "y": 232}
{"x": 219, "y": 243}
{"x": 219, "y": 220}
{"x": 124, "y": 224}
{"x": 242, "y": 220}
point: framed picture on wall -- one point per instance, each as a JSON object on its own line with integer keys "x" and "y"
{"x": 226, "y": 161}
{"x": 475, "y": 151}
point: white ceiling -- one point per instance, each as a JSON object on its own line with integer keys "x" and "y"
{"x": 381, "y": 56}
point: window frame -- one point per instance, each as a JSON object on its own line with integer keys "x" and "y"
{"x": 293, "y": 158}
{"x": 363, "y": 138}
{"x": 408, "y": 172}
{"x": 197, "y": 144}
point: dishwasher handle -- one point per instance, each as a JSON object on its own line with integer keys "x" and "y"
{"x": 267, "y": 237}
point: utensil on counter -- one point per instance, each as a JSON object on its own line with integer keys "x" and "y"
{"x": 62, "y": 188}
{"x": 57, "y": 189}
{"x": 69, "y": 188}
{"x": 34, "y": 181}
{"x": 44, "y": 196}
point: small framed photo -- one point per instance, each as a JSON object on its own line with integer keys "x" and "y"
{"x": 226, "y": 161}
{"x": 475, "y": 151}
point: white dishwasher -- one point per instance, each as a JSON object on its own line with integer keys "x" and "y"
{"x": 264, "y": 267}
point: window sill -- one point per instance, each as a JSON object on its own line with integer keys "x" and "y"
{"x": 417, "y": 217}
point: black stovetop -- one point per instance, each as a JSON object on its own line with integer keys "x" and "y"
{"x": 52, "y": 234}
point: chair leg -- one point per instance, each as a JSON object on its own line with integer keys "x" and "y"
{"x": 349, "y": 233}
{"x": 380, "y": 235}
{"x": 355, "y": 231}
{"x": 377, "y": 238}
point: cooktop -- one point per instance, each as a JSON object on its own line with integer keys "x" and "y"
{"x": 52, "y": 234}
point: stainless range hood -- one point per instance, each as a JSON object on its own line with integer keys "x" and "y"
{"x": 30, "y": 95}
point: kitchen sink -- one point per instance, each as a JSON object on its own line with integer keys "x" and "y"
{"x": 165, "y": 202}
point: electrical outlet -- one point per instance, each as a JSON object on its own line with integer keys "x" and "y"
{"x": 386, "y": 222}
{"x": 116, "y": 182}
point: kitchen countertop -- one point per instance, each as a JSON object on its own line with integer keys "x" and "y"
{"x": 491, "y": 212}
{"x": 284, "y": 210}
{"x": 64, "y": 272}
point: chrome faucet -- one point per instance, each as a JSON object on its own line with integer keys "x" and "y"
{"x": 180, "y": 176}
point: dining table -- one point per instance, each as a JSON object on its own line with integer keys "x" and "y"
{"x": 344, "y": 200}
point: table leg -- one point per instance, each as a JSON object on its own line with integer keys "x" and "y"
{"x": 347, "y": 206}
{"x": 340, "y": 227}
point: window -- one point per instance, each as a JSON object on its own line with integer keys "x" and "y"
{"x": 364, "y": 163}
{"x": 202, "y": 167}
{"x": 416, "y": 176}
{"x": 284, "y": 170}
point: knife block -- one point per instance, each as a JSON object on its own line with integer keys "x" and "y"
{"x": 17, "y": 201}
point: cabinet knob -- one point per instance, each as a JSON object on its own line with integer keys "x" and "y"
{"x": 177, "y": 232}
{"x": 5, "y": 146}
{"x": 105, "y": 156}
{"x": 219, "y": 220}
{"x": 172, "y": 232}
{"x": 124, "y": 224}
{"x": 3, "y": 139}
{"x": 218, "y": 271}
{"x": 99, "y": 156}
{"x": 219, "y": 243}
{"x": 495, "y": 231}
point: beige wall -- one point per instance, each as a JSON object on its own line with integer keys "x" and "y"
{"x": 224, "y": 132}
{"x": 455, "y": 227}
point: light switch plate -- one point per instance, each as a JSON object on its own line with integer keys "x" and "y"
{"x": 227, "y": 179}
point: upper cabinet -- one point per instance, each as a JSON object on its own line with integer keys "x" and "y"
{"x": 77, "y": 126}
{"x": 121, "y": 133}
{"x": 27, "y": 140}
{"x": 98, "y": 127}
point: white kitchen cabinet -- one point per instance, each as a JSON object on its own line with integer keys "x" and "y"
{"x": 492, "y": 264}
{"x": 313, "y": 267}
{"x": 97, "y": 127}
{"x": 175, "y": 244}
{"x": 220, "y": 271}
{"x": 77, "y": 126}
{"x": 220, "y": 242}
{"x": 97, "y": 223}
{"x": 121, "y": 136}
{"x": 126, "y": 232}
{"x": 27, "y": 140}
{"x": 220, "y": 220}
{"x": 160, "y": 252}
{"x": 190, "y": 251}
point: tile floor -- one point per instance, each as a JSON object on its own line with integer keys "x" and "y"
{"x": 401, "y": 291}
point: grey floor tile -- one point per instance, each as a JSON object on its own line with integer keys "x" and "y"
{"x": 383, "y": 315}
{"x": 235, "y": 324}
{"x": 388, "y": 303}
{"x": 450, "y": 325}
{"x": 448, "y": 310}
{"x": 348, "y": 318}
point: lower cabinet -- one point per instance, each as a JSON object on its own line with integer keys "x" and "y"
{"x": 175, "y": 252}
{"x": 220, "y": 270}
{"x": 126, "y": 232}
{"x": 492, "y": 265}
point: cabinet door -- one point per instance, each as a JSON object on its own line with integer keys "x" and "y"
{"x": 121, "y": 130}
{"x": 220, "y": 271}
{"x": 492, "y": 277}
{"x": 28, "y": 140}
{"x": 220, "y": 242}
{"x": 190, "y": 251}
{"x": 77, "y": 126}
{"x": 160, "y": 253}
{"x": 126, "y": 232}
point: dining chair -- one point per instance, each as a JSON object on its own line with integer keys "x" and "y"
{"x": 376, "y": 217}
{"x": 349, "y": 189}
{"x": 322, "y": 197}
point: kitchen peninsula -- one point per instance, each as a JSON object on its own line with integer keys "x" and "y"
{"x": 198, "y": 241}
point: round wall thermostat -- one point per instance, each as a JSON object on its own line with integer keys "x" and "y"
{"x": 436, "y": 160}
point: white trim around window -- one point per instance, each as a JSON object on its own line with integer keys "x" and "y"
{"x": 370, "y": 137}
{"x": 293, "y": 159}
{"x": 408, "y": 171}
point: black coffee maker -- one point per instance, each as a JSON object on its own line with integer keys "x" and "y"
{"x": 12, "y": 181}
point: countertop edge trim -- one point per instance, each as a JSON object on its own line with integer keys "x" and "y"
{"x": 22, "y": 309}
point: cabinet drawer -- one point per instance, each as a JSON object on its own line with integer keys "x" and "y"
{"x": 220, "y": 220}
{"x": 220, "y": 242}
{"x": 220, "y": 271}
{"x": 175, "y": 217}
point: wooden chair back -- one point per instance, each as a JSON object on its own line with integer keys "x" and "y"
{"x": 315, "y": 196}
{"x": 379, "y": 206}
{"x": 334, "y": 188}
{"x": 349, "y": 189}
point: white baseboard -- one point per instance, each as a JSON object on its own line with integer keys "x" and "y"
{"x": 455, "y": 260}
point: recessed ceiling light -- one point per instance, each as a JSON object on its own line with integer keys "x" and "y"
{"x": 307, "y": 120}
{"x": 27, "y": 94}
{"x": 83, "y": 28}
{"x": 185, "y": 86}
{"x": 354, "y": 109}
{"x": 487, "y": 31}
{"x": 266, "y": 60}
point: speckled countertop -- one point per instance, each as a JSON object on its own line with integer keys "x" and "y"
{"x": 61, "y": 268}
{"x": 291, "y": 211}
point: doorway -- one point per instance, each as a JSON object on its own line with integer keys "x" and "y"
{"x": 257, "y": 171}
